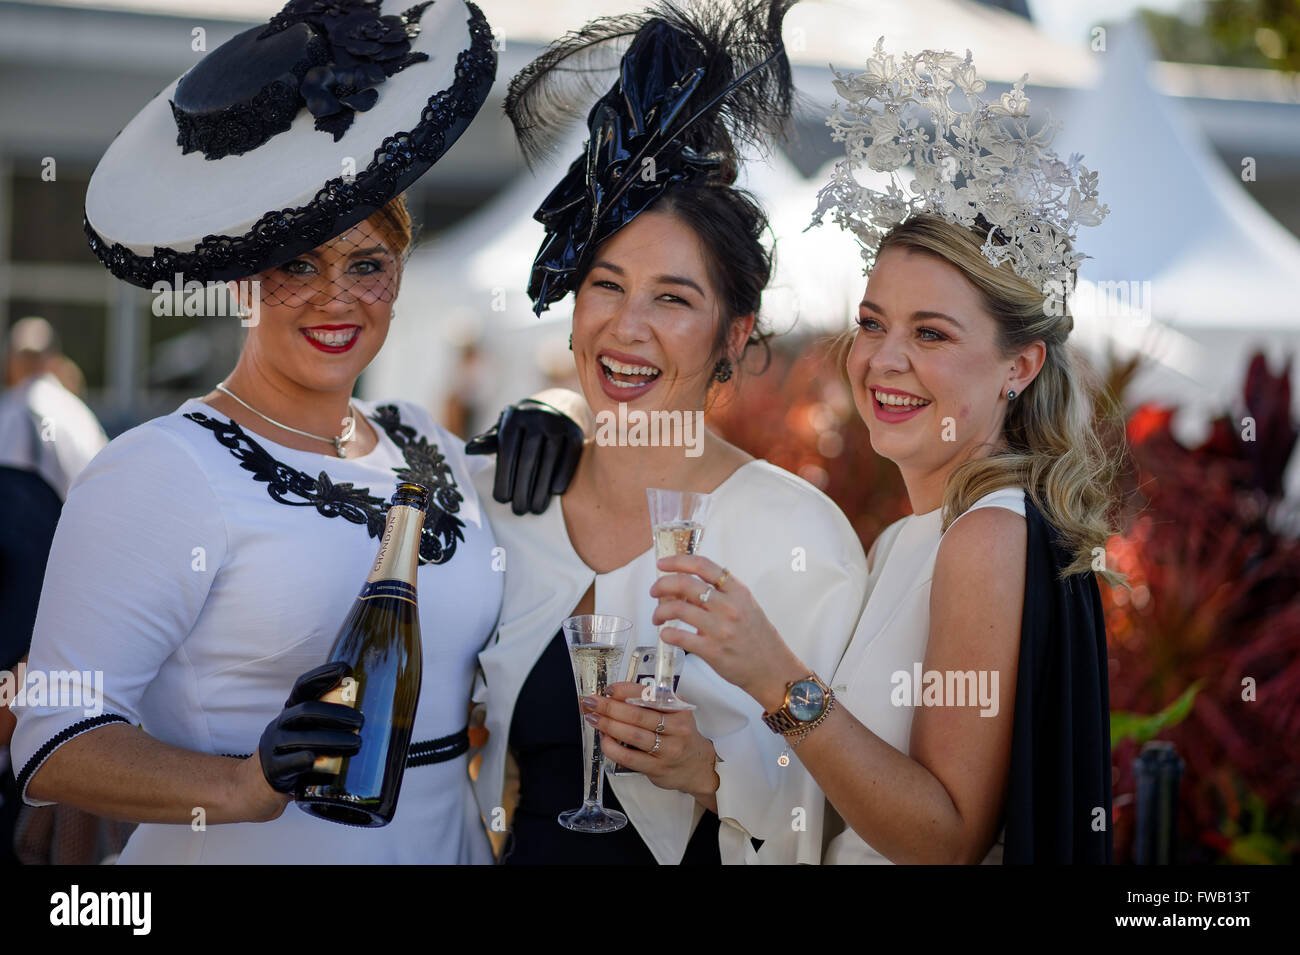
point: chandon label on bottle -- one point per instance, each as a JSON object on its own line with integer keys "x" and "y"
{"x": 399, "y": 551}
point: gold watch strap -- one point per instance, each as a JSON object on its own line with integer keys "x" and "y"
{"x": 782, "y": 721}
{"x": 802, "y": 734}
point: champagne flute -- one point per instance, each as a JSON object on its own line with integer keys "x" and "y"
{"x": 641, "y": 663}
{"x": 677, "y": 523}
{"x": 597, "y": 643}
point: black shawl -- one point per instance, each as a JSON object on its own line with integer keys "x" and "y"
{"x": 1060, "y": 743}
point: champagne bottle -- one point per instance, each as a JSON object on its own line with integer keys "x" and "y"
{"x": 380, "y": 643}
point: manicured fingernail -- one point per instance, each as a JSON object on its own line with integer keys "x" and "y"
{"x": 588, "y": 702}
{"x": 591, "y": 718}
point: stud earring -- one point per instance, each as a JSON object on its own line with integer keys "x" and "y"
{"x": 1011, "y": 394}
{"x": 722, "y": 370}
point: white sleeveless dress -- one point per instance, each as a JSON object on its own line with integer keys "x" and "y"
{"x": 892, "y": 636}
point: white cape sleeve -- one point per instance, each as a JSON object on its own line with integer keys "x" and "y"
{"x": 798, "y": 555}
{"x": 138, "y": 544}
{"x": 812, "y": 587}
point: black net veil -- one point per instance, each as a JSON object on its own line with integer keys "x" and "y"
{"x": 363, "y": 267}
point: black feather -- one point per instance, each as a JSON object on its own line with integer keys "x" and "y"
{"x": 726, "y": 40}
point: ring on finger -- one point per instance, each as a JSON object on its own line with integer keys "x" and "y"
{"x": 658, "y": 742}
{"x": 725, "y": 574}
{"x": 704, "y": 597}
{"x": 660, "y": 728}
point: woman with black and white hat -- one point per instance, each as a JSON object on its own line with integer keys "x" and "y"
{"x": 206, "y": 558}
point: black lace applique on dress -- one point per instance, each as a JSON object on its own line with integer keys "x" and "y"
{"x": 425, "y": 465}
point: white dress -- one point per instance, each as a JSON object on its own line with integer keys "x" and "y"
{"x": 798, "y": 555}
{"x": 47, "y": 429}
{"x": 892, "y": 637}
{"x": 202, "y": 569}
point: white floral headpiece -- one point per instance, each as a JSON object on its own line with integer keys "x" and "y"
{"x": 1033, "y": 201}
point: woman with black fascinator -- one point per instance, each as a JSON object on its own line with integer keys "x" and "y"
{"x": 665, "y": 259}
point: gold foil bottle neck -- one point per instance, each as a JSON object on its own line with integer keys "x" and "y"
{"x": 399, "y": 551}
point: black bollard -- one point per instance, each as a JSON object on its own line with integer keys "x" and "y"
{"x": 1158, "y": 769}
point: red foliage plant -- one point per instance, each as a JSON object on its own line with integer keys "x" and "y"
{"x": 1214, "y": 565}
{"x": 1212, "y": 557}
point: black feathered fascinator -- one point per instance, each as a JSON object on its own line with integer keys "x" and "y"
{"x": 694, "y": 81}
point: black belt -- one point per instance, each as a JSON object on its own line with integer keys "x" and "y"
{"x": 421, "y": 754}
{"x": 438, "y": 750}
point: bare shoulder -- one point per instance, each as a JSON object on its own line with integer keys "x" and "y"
{"x": 983, "y": 551}
{"x": 985, "y": 530}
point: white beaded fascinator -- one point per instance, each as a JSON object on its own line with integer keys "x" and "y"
{"x": 983, "y": 167}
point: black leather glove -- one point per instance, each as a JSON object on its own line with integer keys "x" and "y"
{"x": 307, "y": 728}
{"x": 537, "y": 449}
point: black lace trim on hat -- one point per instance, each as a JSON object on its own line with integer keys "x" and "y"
{"x": 425, "y": 465}
{"x": 366, "y": 47}
{"x": 352, "y": 49}
{"x": 242, "y": 127}
{"x": 344, "y": 201}
{"x": 57, "y": 740}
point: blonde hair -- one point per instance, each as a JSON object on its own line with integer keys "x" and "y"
{"x": 1053, "y": 449}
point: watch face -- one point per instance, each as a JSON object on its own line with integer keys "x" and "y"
{"x": 806, "y": 701}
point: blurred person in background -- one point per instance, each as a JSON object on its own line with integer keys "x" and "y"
{"x": 47, "y": 435}
{"x": 471, "y": 385}
{"x": 44, "y": 426}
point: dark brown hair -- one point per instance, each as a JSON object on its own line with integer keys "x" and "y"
{"x": 730, "y": 224}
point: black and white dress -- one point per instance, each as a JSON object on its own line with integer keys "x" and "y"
{"x": 199, "y": 569}
{"x": 801, "y": 559}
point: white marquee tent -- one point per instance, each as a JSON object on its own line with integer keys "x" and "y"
{"x": 469, "y": 282}
{"x": 1224, "y": 277}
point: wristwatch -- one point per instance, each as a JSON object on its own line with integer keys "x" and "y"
{"x": 807, "y": 703}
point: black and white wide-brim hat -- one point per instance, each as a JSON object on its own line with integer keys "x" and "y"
{"x": 286, "y": 136}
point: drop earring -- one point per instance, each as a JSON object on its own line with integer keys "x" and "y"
{"x": 570, "y": 341}
{"x": 722, "y": 370}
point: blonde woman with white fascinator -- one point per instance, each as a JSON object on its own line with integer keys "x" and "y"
{"x": 968, "y": 720}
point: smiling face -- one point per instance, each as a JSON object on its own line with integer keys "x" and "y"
{"x": 645, "y": 319}
{"x": 926, "y": 373}
{"x": 325, "y": 314}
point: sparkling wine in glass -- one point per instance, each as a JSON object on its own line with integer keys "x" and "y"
{"x": 597, "y": 643}
{"x": 641, "y": 668}
{"x": 677, "y": 525}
